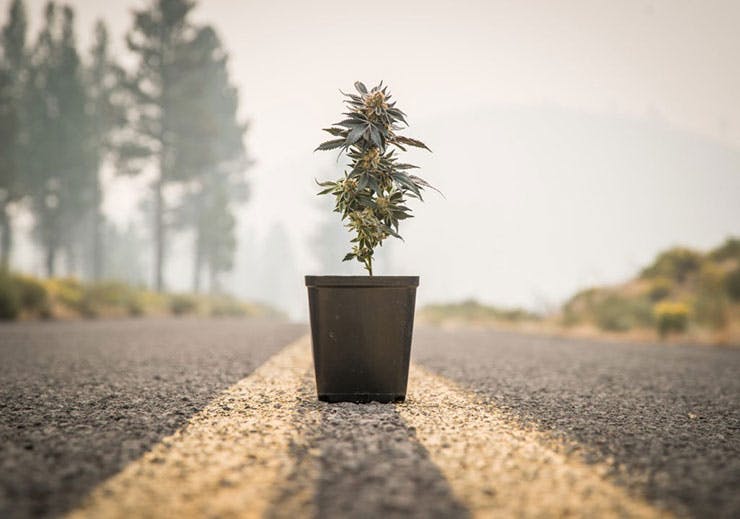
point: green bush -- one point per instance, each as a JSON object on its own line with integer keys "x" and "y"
{"x": 33, "y": 296}
{"x": 227, "y": 307}
{"x": 732, "y": 284}
{"x": 10, "y": 302}
{"x": 730, "y": 249}
{"x": 109, "y": 294}
{"x": 135, "y": 305}
{"x": 676, "y": 264}
{"x": 472, "y": 311}
{"x": 711, "y": 303}
{"x": 671, "y": 317}
{"x": 181, "y": 304}
{"x": 615, "y": 313}
{"x": 660, "y": 288}
{"x": 578, "y": 307}
{"x": 69, "y": 292}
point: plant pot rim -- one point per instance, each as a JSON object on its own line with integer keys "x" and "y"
{"x": 362, "y": 281}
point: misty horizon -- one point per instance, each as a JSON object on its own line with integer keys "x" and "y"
{"x": 546, "y": 191}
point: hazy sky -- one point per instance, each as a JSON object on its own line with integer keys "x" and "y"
{"x": 572, "y": 139}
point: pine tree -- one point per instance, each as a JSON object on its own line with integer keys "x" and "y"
{"x": 160, "y": 38}
{"x": 106, "y": 113}
{"x": 214, "y": 156}
{"x": 60, "y": 171}
{"x": 13, "y": 148}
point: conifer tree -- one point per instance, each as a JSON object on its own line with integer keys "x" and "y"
{"x": 214, "y": 157}
{"x": 59, "y": 173}
{"x": 160, "y": 39}
{"x": 106, "y": 113}
{"x": 13, "y": 141}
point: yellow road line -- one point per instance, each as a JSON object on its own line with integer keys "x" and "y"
{"x": 498, "y": 468}
{"x": 250, "y": 453}
{"x": 225, "y": 462}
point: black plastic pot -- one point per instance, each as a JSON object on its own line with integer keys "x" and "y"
{"x": 361, "y": 329}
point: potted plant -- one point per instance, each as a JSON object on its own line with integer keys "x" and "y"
{"x": 361, "y": 326}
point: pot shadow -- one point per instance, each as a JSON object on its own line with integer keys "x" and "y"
{"x": 360, "y": 460}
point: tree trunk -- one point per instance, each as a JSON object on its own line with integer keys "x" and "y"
{"x": 212, "y": 279}
{"x": 159, "y": 234}
{"x": 71, "y": 259}
{"x": 97, "y": 240}
{"x": 51, "y": 256}
{"x": 6, "y": 237}
{"x": 197, "y": 263}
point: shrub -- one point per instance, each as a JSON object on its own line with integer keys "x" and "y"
{"x": 660, "y": 288}
{"x": 472, "y": 311}
{"x": 730, "y": 249}
{"x": 108, "y": 293}
{"x": 181, "y": 304}
{"x": 576, "y": 309}
{"x": 135, "y": 305}
{"x": 227, "y": 307}
{"x": 10, "y": 303}
{"x": 33, "y": 295}
{"x": 69, "y": 293}
{"x": 616, "y": 313}
{"x": 732, "y": 284}
{"x": 676, "y": 264}
{"x": 711, "y": 302}
{"x": 671, "y": 317}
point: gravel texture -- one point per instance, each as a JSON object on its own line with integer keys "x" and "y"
{"x": 79, "y": 400}
{"x": 664, "y": 419}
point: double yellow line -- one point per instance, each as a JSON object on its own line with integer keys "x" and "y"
{"x": 236, "y": 457}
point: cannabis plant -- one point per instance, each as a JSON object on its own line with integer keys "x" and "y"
{"x": 371, "y": 196}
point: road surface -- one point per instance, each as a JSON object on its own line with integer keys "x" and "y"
{"x": 218, "y": 418}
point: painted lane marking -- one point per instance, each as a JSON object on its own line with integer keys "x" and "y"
{"x": 252, "y": 453}
{"x": 228, "y": 459}
{"x": 499, "y": 468}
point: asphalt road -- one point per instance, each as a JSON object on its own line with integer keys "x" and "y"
{"x": 665, "y": 418}
{"x": 79, "y": 402}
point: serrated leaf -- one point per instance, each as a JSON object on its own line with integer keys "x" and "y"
{"x": 411, "y": 142}
{"x": 360, "y": 86}
{"x": 355, "y": 135}
{"x": 330, "y": 145}
{"x": 420, "y": 181}
{"x": 349, "y": 123}
{"x": 335, "y": 131}
{"x": 391, "y": 232}
{"x": 375, "y": 137}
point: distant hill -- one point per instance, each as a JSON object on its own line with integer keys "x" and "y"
{"x": 682, "y": 292}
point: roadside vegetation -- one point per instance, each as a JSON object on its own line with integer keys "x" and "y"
{"x": 473, "y": 312}
{"x": 24, "y": 297}
{"x": 67, "y": 114}
{"x": 683, "y": 295}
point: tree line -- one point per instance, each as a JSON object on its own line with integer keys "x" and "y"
{"x": 65, "y": 115}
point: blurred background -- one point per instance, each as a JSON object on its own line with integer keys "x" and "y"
{"x": 588, "y": 152}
